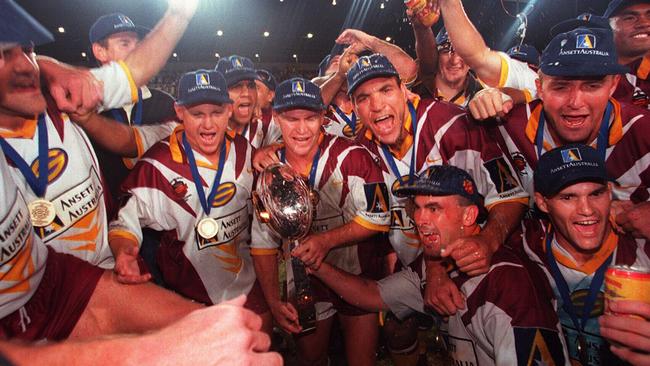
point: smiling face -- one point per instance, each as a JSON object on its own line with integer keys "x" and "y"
{"x": 244, "y": 97}
{"x": 579, "y": 214}
{"x": 301, "y": 129}
{"x": 381, "y": 104}
{"x": 439, "y": 220}
{"x": 20, "y": 88}
{"x": 575, "y": 107}
{"x": 205, "y": 126}
{"x": 452, "y": 69}
{"x": 632, "y": 31}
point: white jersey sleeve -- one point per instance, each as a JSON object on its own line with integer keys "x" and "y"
{"x": 402, "y": 293}
{"x": 119, "y": 86}
{"x": 516, "y": 74}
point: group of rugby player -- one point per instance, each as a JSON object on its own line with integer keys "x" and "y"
{"x": 483, "y": 191}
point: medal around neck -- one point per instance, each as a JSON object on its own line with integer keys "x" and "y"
{"x": 41, "y": 212}
{"x": 207, "y": 228}
{"x": 284, "y": 201}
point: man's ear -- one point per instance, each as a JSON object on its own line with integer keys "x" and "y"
{"x": 470, "y": 214}
{"x": 100, "y": 53}
{"x": 541, "y": 202}
{"x": 179, "y": 112}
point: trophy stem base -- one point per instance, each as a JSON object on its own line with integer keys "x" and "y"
{"x": 299, "y": 291}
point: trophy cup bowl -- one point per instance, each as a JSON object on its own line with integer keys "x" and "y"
{"x": 284, "y": 202}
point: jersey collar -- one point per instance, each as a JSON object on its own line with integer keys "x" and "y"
{"x": 408, "y": 140}
{"x": 176, "y": 149}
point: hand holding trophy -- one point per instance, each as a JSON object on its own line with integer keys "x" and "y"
{"x": 285, "y": 203}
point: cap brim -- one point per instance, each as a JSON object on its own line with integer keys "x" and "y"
{"x": 298, "y": 105}
{"x": 235, "y": 76}
{"x": 584, "y": 69}
{"x": 204, "y": 99}
{"x": 17, "y": 26}
{"x": 368, "y": 76}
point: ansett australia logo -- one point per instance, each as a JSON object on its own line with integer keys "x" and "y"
{"x": 57, "y": 162}
{"x": 298, "y": 86}
{"x": 225, "y": 193}
{"x": 236, "y": 63}
{"x": 586, "y": 41}
{"x": 202, "y": 79}
{"x": 571, "y": 155}
{"x": 364, "y": 61}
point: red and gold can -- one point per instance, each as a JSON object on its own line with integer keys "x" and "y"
{"x": 627, "y": 283}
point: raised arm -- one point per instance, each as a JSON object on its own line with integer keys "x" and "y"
{"x": 425, "y": 47}
{"x": 469, "y": 44}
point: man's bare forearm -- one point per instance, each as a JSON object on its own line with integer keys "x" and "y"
{"x": 426, "y": 50}
{"x": 113, "y": 136}
{"x": 503, "y": 218}
{"x": 361, "y": 292}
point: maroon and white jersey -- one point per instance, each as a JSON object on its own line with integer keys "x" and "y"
{"x": 22, "y": 253}
{"x": 74, "y": 187}
{"x": 262, "y": 131}
{"x": 634, "y": 87}
{"x": 161, "y": 195}
{"x": 624, "y": 251}
{"x": 339, "y": 123}
{"x": 350, "y": 188}
{"x": 444, "y": 135}
{"x": 509, "y": 317}
{"x": 627, "y": 157}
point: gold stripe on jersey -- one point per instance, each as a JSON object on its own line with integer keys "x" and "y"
{"x": 264, "y": 251}
{"x": 122, "y": 234}
{"x": 21, "y": 269}
{"x": 644, "y": 68}
{"x": 593, "y": 263}
{"x": 26, "y": 131}
{"x": 369, "y": 225}
{"x": 503, "y": 77}
{"x": 132, "y": 86}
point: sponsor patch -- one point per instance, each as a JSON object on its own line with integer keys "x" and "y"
{"x": 501, "y": 175}
{"x": 225, "y": 193}
{"x": 202, "y": 79}
{"x": 586, "y": 41}
{"x": 57, "y": 162}
{"x": 535, "y": 346}
{"x": 230, "y": 226}
{"x": 376, "y": 197}
{"x": 571, "y": 155}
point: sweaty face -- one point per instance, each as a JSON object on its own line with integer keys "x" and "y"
{"x": 300, "y": 130}
{"x": 118, "y": 47}
{"x": 579, "y": 214}
{"x": 632, "y": 31}
{"x": 574, "y": 107}
{"x": 205, "y": 126}
{"x": 439, "y": 220}
{"x": 264, "y": 94}
{"x": 453, "y": 70}
{"x": 244, "y": 96}
{"x": 20, "y": 88}
{"x": 381, "y": 104}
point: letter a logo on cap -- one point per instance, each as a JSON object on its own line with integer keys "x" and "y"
{"x": 202, "y": 79}
{"x": 364, "y": 61}
{"x": 124, "y": 19}
{"x": 297, "y": 87}
{"x": 570, "y": 155}
{"x": 236, "y": 63}
{"x": 586, "y": 41}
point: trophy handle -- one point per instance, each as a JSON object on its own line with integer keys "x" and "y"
{"x": 299, "y": 291}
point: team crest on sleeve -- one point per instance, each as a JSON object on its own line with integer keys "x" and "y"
{"x": 519, "y": 162}
{"x": 536, "y": 346}
{"x": 501, "y": 175}
{"x": 57, "y": 162}
{"x": 202, "y": 79}
{"x": 571, "y": 155}
{"x": 376, "y": 197}
{"x": 298, "y": 86}
{"x": 586, "y": 41}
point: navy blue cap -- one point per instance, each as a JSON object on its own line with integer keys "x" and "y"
{"x": 369, "y": 67}
{"x": 616, "y": 5}
{"x": 267, "y": 78}
{"x": 297, "y": 93}
{"x": 525, "y": 53}
{"x": 567, "y": 165}
{"x": 20, "y": 28}
{"x": 582, "y": 52}
{"x": 442, "y": 36}
{"x": 585, "y": 20}
{"x": 236, "y": 68}
{"x": 202, "y": 87}
{"x": 444, "y": 180}
{"x": 113, "y": 23}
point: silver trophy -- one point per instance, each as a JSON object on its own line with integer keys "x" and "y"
{"x": 285, "y": 202}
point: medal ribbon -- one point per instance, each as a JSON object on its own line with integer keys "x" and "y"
{"x": 137, "y": 109}
{"x": 603, "y": 133}
{"x": 389, "y": 156}
{"x": 563, "y": 287}
{"x": 350, "y": 122}
{"x": 312, "y": 170}
{"x": 37, "y": 184}
{"x": 206, "y": 204}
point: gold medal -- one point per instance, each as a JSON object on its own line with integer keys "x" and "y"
{"x": 41, "y": 212}
{"x": 207, "y": 228}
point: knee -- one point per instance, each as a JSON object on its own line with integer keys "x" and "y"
{"x": 401, "y": 336}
